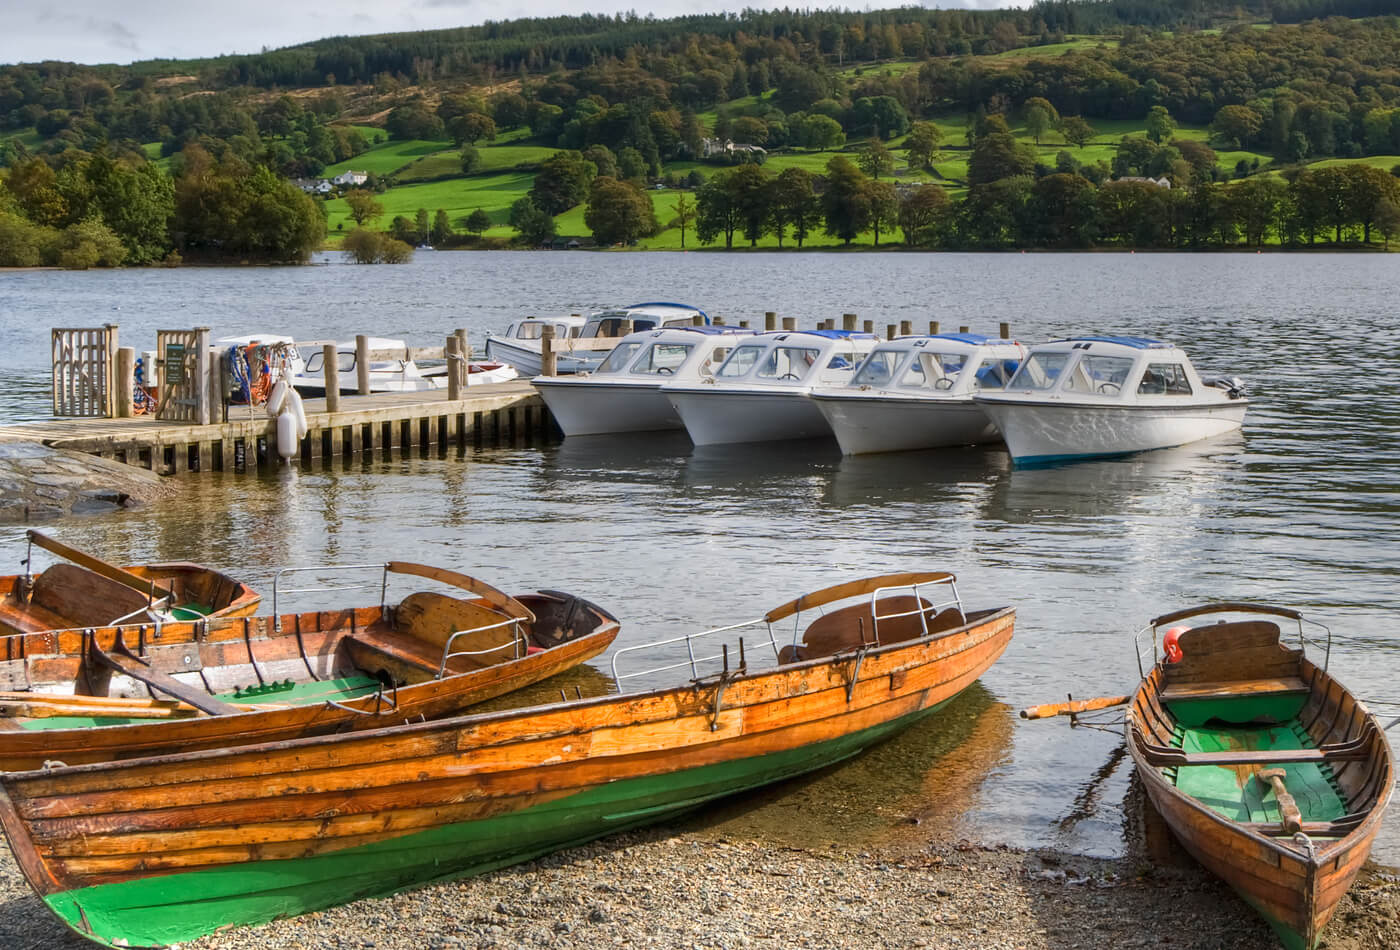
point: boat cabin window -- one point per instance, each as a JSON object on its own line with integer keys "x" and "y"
{"x": 679, "y": 322}
{"x": 843, "y": 359}
{"x": 740, "y": 361}
{"x": 531, "y": 330}
{"x": 619, "y": 357}
{"x": 344, "y": 363}
{"x": 609, "y": 327}
{"x": 934, "y": 370}
{"x": 1164, "y": 379}
{"x": 788, "y": 363}
{"x": 662, "y": 358}
{"x": 1099, "y": 374}
{"x": 994, "y": 373}
{"x": 1041, "y": 371}
{"x": 878, "y": 368}
{"x": 713, "y": 359}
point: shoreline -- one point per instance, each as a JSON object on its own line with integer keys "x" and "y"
{"x": 695, "y": 885}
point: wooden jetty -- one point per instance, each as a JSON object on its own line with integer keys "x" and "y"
{"x": 387, "y": 424}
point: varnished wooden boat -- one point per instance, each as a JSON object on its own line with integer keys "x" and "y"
{"x": 1240, "y": 718}
{"x": 89, "y": 592}
{"x": 153, "y": 851}
{"x": 105, "y": 693}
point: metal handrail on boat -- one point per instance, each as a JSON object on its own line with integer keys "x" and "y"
{"x": 692, "y": 660}
{"x": 924, "y": 611}
{"x": 279, "y": 591}
{"x": 520, "y": 643}
{"x": 1303, "y": 640}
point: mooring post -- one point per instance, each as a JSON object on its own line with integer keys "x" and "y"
{"x": 719, "y": 321}
{"x": 123, "y": 383}
{"x": 789, "y": 323}
{"x": 743, "y": 324}
{"x": 454, "y": 367}
{"x": 889, "y": 331}
{"x": 848, "y": 321}
{"x": 770, "y": 320}
{"x": 464, "y": 346}
{"x": 905, "y": 328}
{"x": 362, "y": 364}
{"x": 933, "y": 328}
{"x": 548, "y": 361}
{"x": 963, "y": 329}
{"x": 110, "y": 393}
{"x": 869, "y": 326}
{"x": 330, "y": 370}
{"x": 1006, "y": 331}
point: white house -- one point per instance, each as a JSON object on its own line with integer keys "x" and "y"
{"x": 1159, "y": 182}
{"x": 709, "y": 147}
{"x": 351, "y": 178}
{"x": 313, "y": 186}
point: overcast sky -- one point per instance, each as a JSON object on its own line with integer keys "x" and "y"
{"x": 120, "y": 31}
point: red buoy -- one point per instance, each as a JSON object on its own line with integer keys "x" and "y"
{"x": 1170, "y": 646}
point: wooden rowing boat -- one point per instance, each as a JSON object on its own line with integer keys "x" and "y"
{"x": 107, "y": 693}
{"x": 153, "y": 851}
{"x": 1264, "y": 767}
{"x": 89, "y": 592}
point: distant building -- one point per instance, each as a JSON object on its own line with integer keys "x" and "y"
{"x": 712, "y": 147}
{"x": 1159, "y": 182}
{"x": 352, "y": 179}
{"x": 314, "y": 186}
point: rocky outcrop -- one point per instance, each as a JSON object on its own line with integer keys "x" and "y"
{"x": 39, "y": 483}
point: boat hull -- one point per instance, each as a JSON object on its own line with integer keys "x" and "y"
{"x": 1040, "y": 432}
{"x": 868, "y": 424}
{"x": 157, "y": 851}
{"x": 715, "y": 416}
{"x": 581, "y": 407}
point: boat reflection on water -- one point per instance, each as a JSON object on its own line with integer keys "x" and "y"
{"x": 967, "y": 474}
{"x": 899, "y": 796}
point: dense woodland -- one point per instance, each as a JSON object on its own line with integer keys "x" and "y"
{"x": 168, "y": 160}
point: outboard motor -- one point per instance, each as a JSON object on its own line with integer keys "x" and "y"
{"x": 1234, "y": 386}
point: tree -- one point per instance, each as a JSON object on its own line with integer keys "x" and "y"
{"x": 752, "y": 196}
{"x": 442, "y": 227}
{"x": 618, "y": 212}
{"x": 232, "y": 209}
{"x": 1038, "y": 122}
{"x": 1062, "y": 212}
{"x": 921, "y": 145}
{"x": 1200, "y": 156}
{"x": 533, "y": 224}
{"x": 478, "y": 221}
{"x": 884, "y": 207}
{"x": 413, "y": 121}
{"x": 846, "y": 201}
{"x": 509, "y": 109}
{"x": 879, "y": 117}
{"x": 920, "y": 211}
{"x": 603, "y": 160}
{"x": 1256, "y": 206}
{"x": 471, "y": 159}
{"x": 874, "y": 159}
{"x": 685, "y": 213}
{"x": 1387, "y": 219}
{"x": 1368, "y": 187}
{"x": 749, "y": 130}
{"x": 363, "y": 207}
{"x": 1076, "y": 130}
{"x": 1233, "y": 126}
{"x": 820, "y": 133}
{"x": 794, "y": 205}
{"x": 716, "y": 211}
{"x": 472, "y": 127}
{"x": 1160, "y": 124}
{"x": 368, "y": 247}
{"x": 562, "y": 182}
{"x": 420, "y": 221}
{"x": 631, "y": 166}
{"x": 998, "y": 155}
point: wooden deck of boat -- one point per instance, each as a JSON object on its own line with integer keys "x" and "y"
{"x": 391, "y": 423}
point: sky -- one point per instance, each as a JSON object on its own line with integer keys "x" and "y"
{"x": 120, "y": 31}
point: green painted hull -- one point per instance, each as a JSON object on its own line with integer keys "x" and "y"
{"x": 170, "y": 908}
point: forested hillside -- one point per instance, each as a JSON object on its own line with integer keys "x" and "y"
{"x": 1134, "y": 122}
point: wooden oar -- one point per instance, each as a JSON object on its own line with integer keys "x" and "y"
{"x": 48, "y": 705}
{"x": 1073, "y": 707}
{"x": 1292, "y": 818}
{"x": 98, "y": 566}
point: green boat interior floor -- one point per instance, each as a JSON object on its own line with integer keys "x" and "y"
{"x": 1235, "y": 793}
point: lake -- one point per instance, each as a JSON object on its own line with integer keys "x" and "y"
{"x": 1299, "y": 509}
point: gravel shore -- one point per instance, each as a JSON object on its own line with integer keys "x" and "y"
{"x": 689, "y": 885}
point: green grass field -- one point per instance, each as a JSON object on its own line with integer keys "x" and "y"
{"x": 387, "y": 158}
{"x": 1051, "y": 50}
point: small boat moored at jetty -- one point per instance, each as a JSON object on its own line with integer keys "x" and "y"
{"x": 759, "y": 393}
{"x": 104, "y": 693}
{"x": 589, "y": 340}
{"x": 389, "y": 375}
{"x": 915, "y": 392}
{"x": 1097, "y": 396}
{"x": 624, "y": 393}
{"x": 161, "y": 850}
{"x": 89, "y": 592}
{"x": 1265, "y": 768}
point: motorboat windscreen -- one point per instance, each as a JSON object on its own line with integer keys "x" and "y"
{"x": 618, "y": 359}
{"x": 1104, "y": 375}
{"x": 741, "y": 361}
{"x": 662, "y": 358}
{"x": 1040, "y": 372}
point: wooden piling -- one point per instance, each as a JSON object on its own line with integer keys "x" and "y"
{"x": 848, "y": 321}
{"x": 962, "y": 329}
{"x": 743, "y": 324}
{"x": 770, "y": 320}
{"x": 719, "y": 321}
{"x": 933, "y": 328}
{"x": 123, "y": 383}
{"x": 890, "y": 329}
{"x": 464, "y": 347}
{"x": 869, "y": 326}
{"x": 905, "y": 328}
{"x": 789, "y": 323}
{"x": 331, "y": 372}
{"x": 1006, "y": 331}
{"x": 548, "y": 361}
{"x": 454, "y": 368}
{"x": 362, "y": 364}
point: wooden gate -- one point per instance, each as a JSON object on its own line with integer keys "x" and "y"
{"x": 183, "y": 357}
{"x": 82, "y": 371}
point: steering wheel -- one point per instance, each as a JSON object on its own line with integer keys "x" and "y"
{"x": 944, "y": 383}
{"x": 1108, "y": 389}
{"x": 664, "y": 371}
{"x": 790, "y": 376}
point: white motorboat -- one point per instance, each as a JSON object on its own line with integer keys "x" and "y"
{"x": 915, "y": 392}
{"x": 389, "y": 375}
{"x": 759, "y": 393}
{"x": 1096, "y": 396}
{"x": 624, "y": 393}
{"x": 581, "y": 345}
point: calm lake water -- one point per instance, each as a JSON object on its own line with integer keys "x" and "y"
{"x": 1299, "y": 509}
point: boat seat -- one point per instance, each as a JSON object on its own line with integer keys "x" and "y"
{"x": 1231, "y": 689}
{"x": 30, "y": 618}
{"x": 1169, "y": 757}
{"x": 85, "y": 598}
{"x": 853, "y": 627}
{"x": 405, "y": 658}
